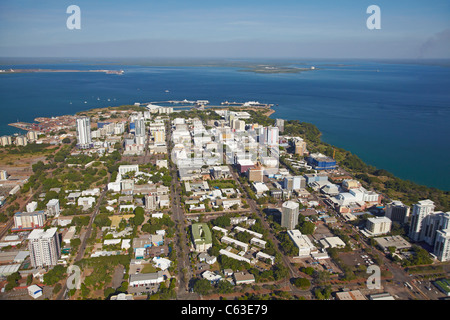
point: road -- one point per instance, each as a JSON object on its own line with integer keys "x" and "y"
{"x": 256, "y": 208}
{"x": 184, "y": 266}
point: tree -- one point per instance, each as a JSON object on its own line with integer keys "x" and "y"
{"x": 302, "y": 283}
{"x": 202, "y": 287}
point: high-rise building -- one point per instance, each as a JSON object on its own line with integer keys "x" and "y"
{"x": 139, "y": 127}
{"x": 299, "y": 146}
{"x": 280, "y": 124}
{"x": 5, "y": 140}
{"x": 44, "y": 247}
{"x": 420, "y": 211}
{"x": 84, "y": 136}
{"x": 289, "y": 214}
{"x": 272, "y": 136}
{"x": 397, "y": 212}
{"x": 21, "y": 141}
{"x": 442, "y": 245}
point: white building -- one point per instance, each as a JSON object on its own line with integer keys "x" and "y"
{"x": 123, "y": 169}
{"x": 29, "y": 220}
{"x": 53, "y": 208}
{"x": 289, "y": 214}
{"x": 420, "y": 211}
{"x": 378, "y": 225}
{"x": 31, "y": 207}
{"x": 302, "y": 242}
{"x": 442, "y": 245}
{"x": 44, "y": 247}
{"x": 84, "y": 137}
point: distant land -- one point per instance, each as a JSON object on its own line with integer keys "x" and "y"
{"x": 9, "y": 71}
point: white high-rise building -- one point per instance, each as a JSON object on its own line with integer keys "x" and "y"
{"x": 289, "y": 214}
{"x": 272, "y": 136}
{"x": 420, "y": 211}
{"x": 84, "y": 136}
{"x": 442, "y": 245}
{"x": 139, "y": 128}
{"x": 44, "y": 247}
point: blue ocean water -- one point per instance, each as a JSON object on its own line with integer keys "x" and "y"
{"x": 394, "y": 116}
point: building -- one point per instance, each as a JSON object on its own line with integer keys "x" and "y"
{"x": 123, "y": 169}
{"x": 150, "y": 201}
{"x": 243, "y": 278}
{"x": 378, "y": 225}
{"x": 321, "y": 162}
{"x": 32, "y": 206}
{"x": 302, "y": 242}
{"x": 279, "y": 123}
{"x": 294, "y": 183}
{"x": 420, "y": 210}
{"x": 21, "y": 141}
{"x": 350, "y": 295}
{"x": 139, "y": 127}
{"x": 44, "y": 247}
{"x": 28, "y": 220}
{"x": 243, "y": 165}
{"x": 397, "y": 212}
{"x": 272, "y": 136}
{"x": 5, "y": 140}
{"x": 299, "y": 146}
{"x": 256, "y": 174}
{"x": 53, "y": 208}
{"x": 289, "y": 214}
{"x": 34, "y": 291}
{"x": 201, "y": 237}
{"x": 396, "y": 242}
{"x": 146, "y": 279}
{"x": 442, "y": 245}
{"x": 84, "y": 137}
{"x": 3, "y": 175}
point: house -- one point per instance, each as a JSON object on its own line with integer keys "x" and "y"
{"x": 243, "y": 278}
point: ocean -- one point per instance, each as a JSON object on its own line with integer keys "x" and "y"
{"x": 393, "y": 115}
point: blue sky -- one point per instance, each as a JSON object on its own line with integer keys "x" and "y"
{"x": 197, "y": 28}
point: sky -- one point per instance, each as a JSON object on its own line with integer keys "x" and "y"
{"x": 251, "y": 29}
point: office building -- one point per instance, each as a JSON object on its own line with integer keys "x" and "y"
{"x": 321, "y": 162}
{"x": 397, "y": 212}
{"x": 378, "y": 225}
{"x": 44, "y": 247}
{"x": 84, "y": 137}
{"x": 294, "y": 183}
{"x": 289, "y": 214}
